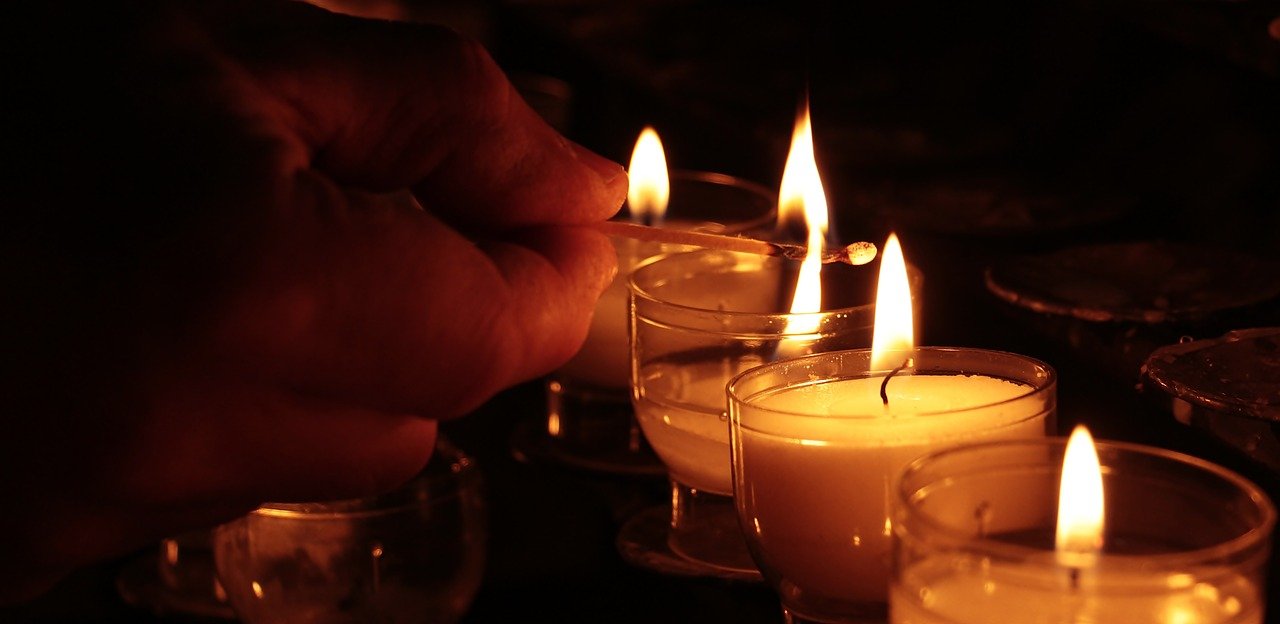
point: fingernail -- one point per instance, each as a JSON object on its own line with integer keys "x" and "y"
{"x": 605, "y": 168}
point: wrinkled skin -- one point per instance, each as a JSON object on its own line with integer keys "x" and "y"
{"x": 210, "y": 298}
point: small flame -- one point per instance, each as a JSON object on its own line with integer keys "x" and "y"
{"x": 1080, "y": 508}
{"x": 894, "y": 336}
{"x": 802, "y": 193}
{"x": 650, "y": 187}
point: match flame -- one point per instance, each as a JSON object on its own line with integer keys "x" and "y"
{"x": 801, "y": 196}
{"x": 650, "y": 186}
{"x": 802, "y": 193}
{"x": 1080, "y": 507}
{"x": 894, "y": 336}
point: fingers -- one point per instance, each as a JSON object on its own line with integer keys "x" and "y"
{"x": 395, "y": 310}
{"x": 385, "y": 106}
{"x": 545, "y": 266}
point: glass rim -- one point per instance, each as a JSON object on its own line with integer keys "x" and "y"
{"x": 726, "y": 180}
{"x": 639, "y": 292}
{"x": 734, "y": 394}
{"x": 1257, "y": 533}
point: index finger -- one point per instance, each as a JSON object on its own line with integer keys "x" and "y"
{"x": 386, "y": 106}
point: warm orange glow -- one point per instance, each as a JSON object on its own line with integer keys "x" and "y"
{"x": 802, "y": 193}
{"x": 1080, "y": 507}
{"x": 894, "y": 336}
{"x": 650, "y": 187}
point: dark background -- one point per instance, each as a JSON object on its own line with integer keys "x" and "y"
{"x": 979, "y": 133}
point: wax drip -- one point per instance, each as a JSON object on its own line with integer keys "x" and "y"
{"x": 884, "y": 385}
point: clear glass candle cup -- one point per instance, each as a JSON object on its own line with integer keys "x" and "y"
{"x": 699, "y": 319}
{"x": 413, "y": 555}
{"x": 589, "y": 421}
{"x": 178, "y": 578}
{"x": 1184, "y": 540}
{"x": 816, "y": 448}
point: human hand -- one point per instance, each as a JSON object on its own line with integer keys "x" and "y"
{"x": 214, "y": 302}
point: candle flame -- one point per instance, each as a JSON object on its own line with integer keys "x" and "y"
{"x": 801, "y": 196}
{"x": 894, "y": 336}
{"x": 802, "y": 193}
{"x": 1080, "y": 501}
{"x": 650, "y": 186}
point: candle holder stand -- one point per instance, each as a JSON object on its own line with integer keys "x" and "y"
{"x": 1227, "y": 387}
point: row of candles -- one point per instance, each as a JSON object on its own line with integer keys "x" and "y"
{"x": 914, "y": 483}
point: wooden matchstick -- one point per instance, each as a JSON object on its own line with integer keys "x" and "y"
{"x": 854, "y": 254}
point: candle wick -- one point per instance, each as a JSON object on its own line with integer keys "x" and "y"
{"x": 1075, "y": 578}
{"x": 884, "y": 385}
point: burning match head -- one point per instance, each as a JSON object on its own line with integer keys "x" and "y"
{"x": 858, "y": 253}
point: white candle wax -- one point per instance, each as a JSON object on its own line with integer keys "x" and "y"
{"x": 815, "y": 487}
{"x": 682, "y": 415}
{"x": 960, "y": 592}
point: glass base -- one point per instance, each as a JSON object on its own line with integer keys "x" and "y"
{"x": 644, "y": 542}
{"x": 704, "y": 528}
{"x": 589, "y": 428}
{"x": 178, "y": 580}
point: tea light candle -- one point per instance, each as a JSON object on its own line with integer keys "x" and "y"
{"x": 1178, "y": 540}
{"x": 815, "y": 450}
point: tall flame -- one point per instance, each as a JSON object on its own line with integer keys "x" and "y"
{"x": 894, "y": 336}
{"x": 650, "y": 187}
{"x": 802, "y": 193}
{"x": 1080, "y": 500}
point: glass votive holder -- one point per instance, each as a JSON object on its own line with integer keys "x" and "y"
{"x": 589, "y": 421}
{"x": 816, "y": 448}
{"x": 1184, "y": 540}
{"x": 413, "y": 555}
{"x": 1227, "y": 387}
{"x": 699, "y": 319}
{"x": 176, "y": 579}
